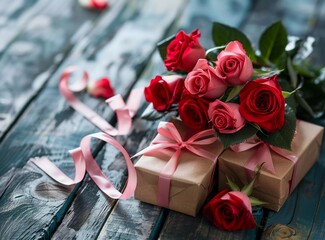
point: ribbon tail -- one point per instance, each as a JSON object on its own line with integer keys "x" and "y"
{"x": 164, "y": 180}
{"x": 98, "y": 176}
{"x": 56, "y": 174}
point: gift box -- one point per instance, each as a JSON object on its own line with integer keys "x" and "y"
{"x": 191, "y": 181}
{"x": 275, "y": 188}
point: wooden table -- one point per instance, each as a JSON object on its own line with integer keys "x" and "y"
{"x": 40, "y": 38}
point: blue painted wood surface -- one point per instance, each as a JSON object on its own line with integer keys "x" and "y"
{"x": 38, "y": 39}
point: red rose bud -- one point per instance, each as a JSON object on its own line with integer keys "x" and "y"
{"x": 101, "y": 88}
{"x": 194, "y": 111}
{"x": 233, "y": 65}
{"x": 230, "y": 211}
{"x": 184, "y": 51}
{"x": 203, "y": 81}
{"x": 94, "y": 4}
{"x": 226, "y": 117}
{"x": 164, "y": 91}
{"x": 261, "y": 101}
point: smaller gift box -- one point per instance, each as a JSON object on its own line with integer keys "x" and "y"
{"x": 289, "y": 167}
{"x": 178, "y": 173}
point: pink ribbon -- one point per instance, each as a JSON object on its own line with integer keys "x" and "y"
{"x": 84, "y": 161}
{"x": 169, "y": 137}
{"x": 263, "y": 155}
{"x": 82, "y": 156}
{"x": 124, "y": 112}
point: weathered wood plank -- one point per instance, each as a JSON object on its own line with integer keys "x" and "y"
{"x": 28, "y": 61}
{"x": 59, "y": 128}
{"x": 14, "y": 15}
{"x": 180, "y": 226}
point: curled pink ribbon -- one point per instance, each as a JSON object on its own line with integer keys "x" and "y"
{"x": 84, "y": 161}
{"x": 263, "y": 155}
{"x": 82, "y": 156}
{"x": 169, "y": 137}
{"x": 124, "y": 112}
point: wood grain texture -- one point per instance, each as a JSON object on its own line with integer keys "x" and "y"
{"x": 180, "y": 226}
{"x": 29, "y": 60}
{"x": 14, "y": 16}
{"x": 59, "y": 128}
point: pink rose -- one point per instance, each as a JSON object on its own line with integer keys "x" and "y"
{"x": 233, "y": 65}
{"x": 203, "y": 81}
{"x": 226, "y": 117}
{"x": 184, "y": 51}
{"x": 101, "y": 88}
{"x": 162, "y": 92}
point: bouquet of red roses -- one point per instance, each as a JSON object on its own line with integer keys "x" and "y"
{"x": 231, "y": 88}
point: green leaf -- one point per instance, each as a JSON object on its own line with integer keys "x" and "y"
{"x": 162, "y": 46}
{"x": 248, "y": 188}
{"x": 223, "y": 34}
{"x": 256, "y": 202}
{"x": 259, "y": 73}
{"x": 292, "y": 74}
{"x": 237, "y": 137}
{"x": 287, "y": 94}
{"x": 234, "y": 92}
{"x": 273, "y": 42}
{"x": 303, "y": 103}
{"x": 233, "y": 186}
{"x": 283, "y": 137}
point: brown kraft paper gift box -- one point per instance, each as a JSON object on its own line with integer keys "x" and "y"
{"x": 190, "y": 184}
{"x": 274, "y": 188}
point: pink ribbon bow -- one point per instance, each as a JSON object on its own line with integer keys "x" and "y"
{"x": 84, "y": 161}
{"x": 262, "y": 155}
{"x": 169, "y": 137}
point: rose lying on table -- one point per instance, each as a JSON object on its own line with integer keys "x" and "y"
{"x": 232, "y": 210}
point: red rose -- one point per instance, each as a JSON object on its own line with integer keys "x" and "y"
{"x": 193, "y": 111}
{"x": 95, "y": 4}
{"x": 164, "y": 91}
{"x": 233, "y": 65}
{"x": 226, "y": 117}
{"x": 204, "y": 82}
{"x": 261, "y": 101}
{"x": 230, "y": 211}
{"x": 184, "y": 51}
{"x": 101, "y": 88}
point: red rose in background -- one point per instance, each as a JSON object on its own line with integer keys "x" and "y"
{"x": 233, "y": 65}
{"x": 101, "y": 88}
{"x": 203, "y": 81}
{"x": 230, "y": 211}
{"x": 261, "y": 101}
{"x": 193, "y": 111}
{"x": 226, "y": 117}
{"x": 184, "y": 51}
{"x": 95, "y": 4}
{"x": 164, "y": 91}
